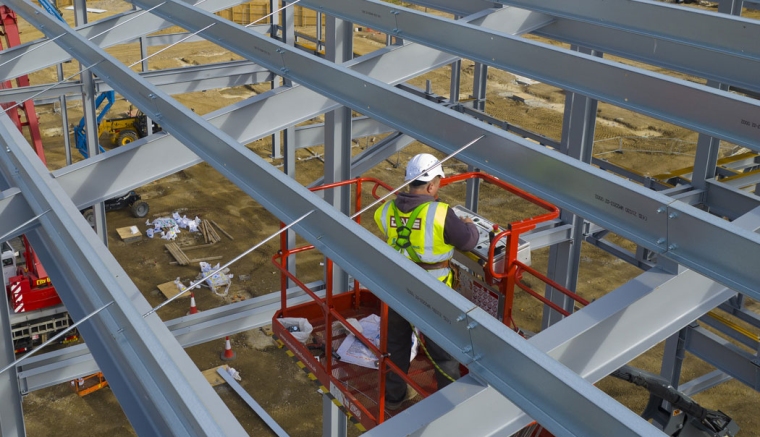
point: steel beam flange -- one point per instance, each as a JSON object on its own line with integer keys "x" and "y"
{"x": 593, "y": 413}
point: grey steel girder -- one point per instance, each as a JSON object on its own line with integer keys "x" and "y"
{"x": 171, "y": 38}
{"x": 703, "y": 383}
{"x": 726, "y": 200}
{"x": 641, "y": 45}
{"x": 351, "y": 246}
{"x": 631, "y": 211}
{"x": 691, "y": 26}
{"x": 15, "y": 212}
{"x": 141, "y": 366}
{"x": 457, "y": 7}
{"x": 726, "y": 356}
{"x": 171, "y": 81}
{"x": 602, "y": 337}
{"x": 730, "y": 117}
{"x": 369, "y": 158}
{"x": 465, "y": 407}
{"x": 57, "y": 367}
{"x": 30, "y": 57}
{"x": 151, "y": 158}
{"x": 609, "y": 333}
{"x": 721, "y": 66}
{"x": 314, "y": 134}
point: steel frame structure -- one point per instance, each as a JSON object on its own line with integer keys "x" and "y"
{"x": 549, "y": 377}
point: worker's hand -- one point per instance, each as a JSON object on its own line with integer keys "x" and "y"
{"x": 467, "y": 220}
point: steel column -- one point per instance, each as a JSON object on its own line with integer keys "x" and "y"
{"x": 672, "y": 360}
{"x": 578, "y": 127}
{"x": 64, "y": 117}
{"x": 339, "y": 49}
{"x": 92, "y": 127}
{"x": 706, "y": 159}
{"x": 274, "y": 21}
{"x": 334, "y": 422}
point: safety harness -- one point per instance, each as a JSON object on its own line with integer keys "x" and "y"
{"x": 402, "y": 241}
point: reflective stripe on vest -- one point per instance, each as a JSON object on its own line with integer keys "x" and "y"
{"x": 427, "y": 231}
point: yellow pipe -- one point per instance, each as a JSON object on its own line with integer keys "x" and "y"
{"x": 741, "y": 330}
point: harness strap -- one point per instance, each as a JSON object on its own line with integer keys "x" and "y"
{"x": 404, "y": 232}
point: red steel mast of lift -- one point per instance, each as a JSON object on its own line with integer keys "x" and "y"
{"x": 9, "y": 25}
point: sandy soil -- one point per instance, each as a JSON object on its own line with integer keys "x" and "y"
{"x": 268, "y": 374}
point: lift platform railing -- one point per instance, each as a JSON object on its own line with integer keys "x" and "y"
{"x": 361, "y": 390}
{"x": 509, "y": 276}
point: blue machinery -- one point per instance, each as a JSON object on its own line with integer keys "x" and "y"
{"x": 80, "y": 134}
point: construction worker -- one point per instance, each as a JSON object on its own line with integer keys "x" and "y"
{"x": 427, "y": 232}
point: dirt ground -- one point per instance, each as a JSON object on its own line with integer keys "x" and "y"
{"x": 267, "y": 373}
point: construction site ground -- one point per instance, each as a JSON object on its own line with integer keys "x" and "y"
{"x": 268, "y": 374}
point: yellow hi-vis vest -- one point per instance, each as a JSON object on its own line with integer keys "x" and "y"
{"x": 419, "y": 237}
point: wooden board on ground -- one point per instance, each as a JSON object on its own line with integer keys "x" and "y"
{"x": 177, "y": 253}
{"x": 169, "y": 289}
{"x": 213, "y": 377}
{"x": 127, "y": 236}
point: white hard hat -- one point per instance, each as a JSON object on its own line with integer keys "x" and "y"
{"x": 420, "y": 163}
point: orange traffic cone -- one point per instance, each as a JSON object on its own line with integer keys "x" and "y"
{"x": 193, "y": 308}
{"x": 228, "y": 354}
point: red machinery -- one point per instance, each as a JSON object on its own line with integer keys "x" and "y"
{"x": 31, "y": 289}
{"x": 9, "y": 23}
{"x": 36, "y": 306}
{"x": 360, "y": 389}
{"x": 37, "y": 310}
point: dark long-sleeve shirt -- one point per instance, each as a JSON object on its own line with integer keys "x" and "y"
{"x": 463, "y": 236}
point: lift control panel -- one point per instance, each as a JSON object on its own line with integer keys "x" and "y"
{"x": 487, "y": 231}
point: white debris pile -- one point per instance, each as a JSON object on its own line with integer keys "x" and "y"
{"x": 353, "y": 351}
{"x": 180, "y": 286}
{"x": 233, "y": 373}
{"x": 169, "y": 227}
{"x": 219, "y": 282}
